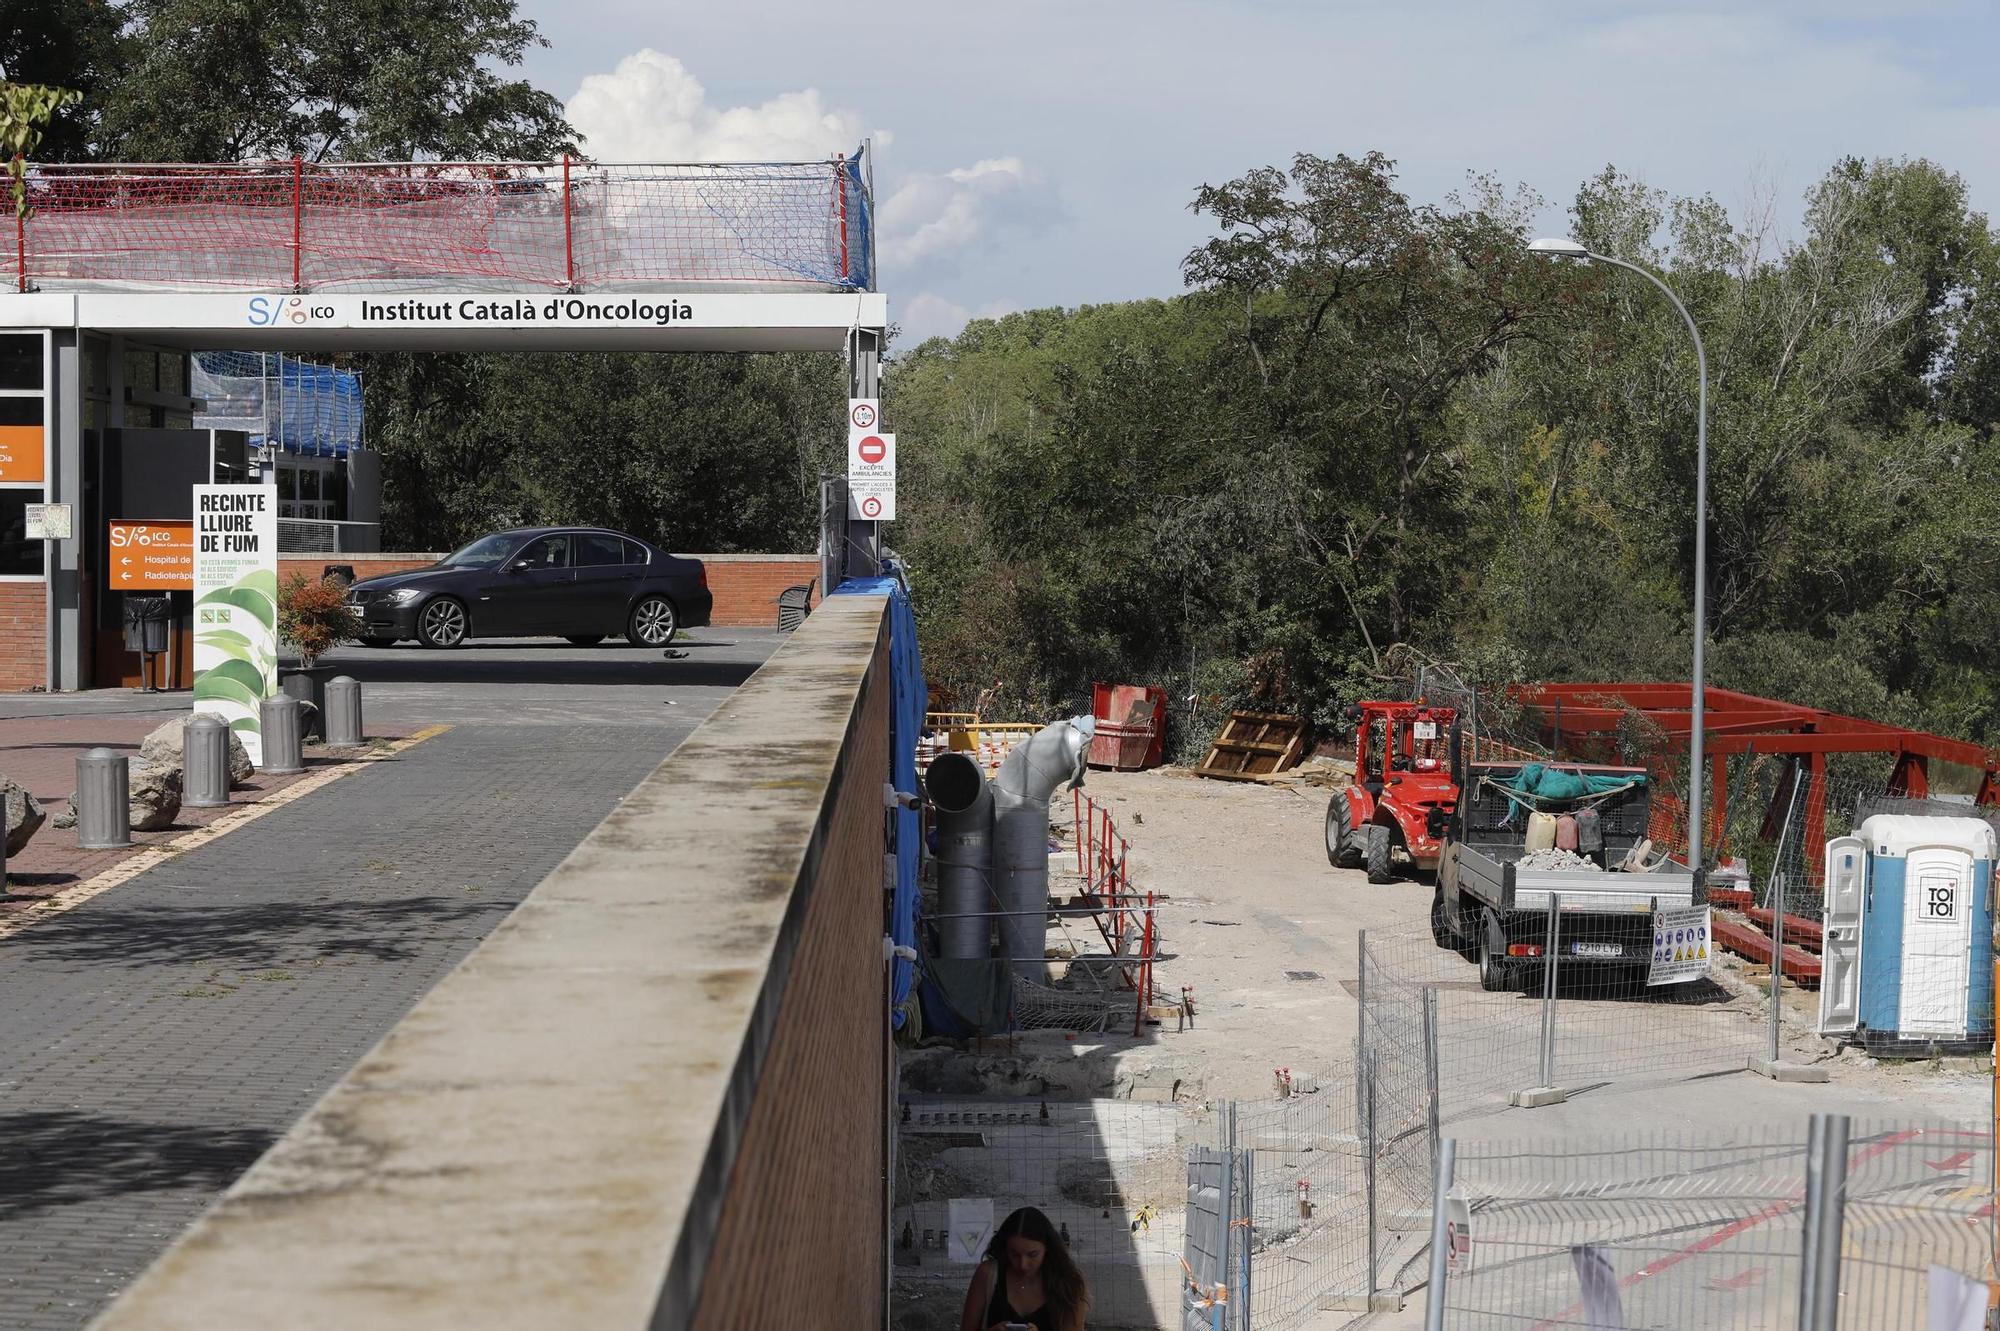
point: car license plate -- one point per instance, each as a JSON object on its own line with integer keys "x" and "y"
{"x": 1597, "y": 949}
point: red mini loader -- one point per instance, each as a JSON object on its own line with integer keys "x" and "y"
{"x": 1403, "y": 791}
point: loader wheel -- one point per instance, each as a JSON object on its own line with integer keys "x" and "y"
{"x": 1340, "y": 849}
{"x": 1378, "y": 854}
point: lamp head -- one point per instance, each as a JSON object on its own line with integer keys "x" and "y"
{"x": 1558, "y": 248}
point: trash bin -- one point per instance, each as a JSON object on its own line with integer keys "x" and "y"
{"x": 340, "y": 573}
{"x": 148, "y": 619}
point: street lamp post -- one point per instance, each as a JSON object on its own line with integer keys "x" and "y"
{"x": 1569, "y": 249}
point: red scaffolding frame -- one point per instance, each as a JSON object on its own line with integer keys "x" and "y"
{"x": 1589, "y": 718}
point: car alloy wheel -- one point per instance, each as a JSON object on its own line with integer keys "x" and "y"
{"x": 653, "y": 622}
{"x": 442, "y": 624}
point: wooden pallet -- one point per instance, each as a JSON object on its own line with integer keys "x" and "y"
{"x": 1254, "y": 745}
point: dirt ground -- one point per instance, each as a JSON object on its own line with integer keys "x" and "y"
{"x": 1265, "y": 935}
{"x": 1265, "y": 931}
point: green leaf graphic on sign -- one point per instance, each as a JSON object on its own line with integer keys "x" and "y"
{"x": 244, "y": 674}
{"x": 231, "y": 645}
{"x": 265, "y": 608}
{"x": 263, "y": 581}
{"x": 215, "y": 686}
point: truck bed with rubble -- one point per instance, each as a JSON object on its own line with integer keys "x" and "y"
{"x": 1493, "y": 893}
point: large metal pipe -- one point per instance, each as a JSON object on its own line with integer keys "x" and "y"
{"x": 964, "y": 802}
{"x": 1021, "y": 793}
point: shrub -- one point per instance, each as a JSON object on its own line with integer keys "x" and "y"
{"x": 314, "y": 617}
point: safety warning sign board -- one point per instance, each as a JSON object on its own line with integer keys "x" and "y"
{"x": 1681, "y": 945}
{"x": 871, "y": 463}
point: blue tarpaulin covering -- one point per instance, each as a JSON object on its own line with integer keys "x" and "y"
{"x": 319, "y": 409}
{"x": 906, "y": 722}
{"x": 860, "y": 230}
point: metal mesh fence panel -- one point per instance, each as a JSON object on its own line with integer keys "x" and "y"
{"x": 1111, "y": 1173}
{"x": 1707, "y": 1229}
{"x": 1608, "y": 1024}
{"x": 1918, "y": 1195}
{"x": 287, "y": 226}
{"x": 1308, "y": 1205}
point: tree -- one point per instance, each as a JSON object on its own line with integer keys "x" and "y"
{"x": 380, "y": 80}
{"x": 74, "y": 44}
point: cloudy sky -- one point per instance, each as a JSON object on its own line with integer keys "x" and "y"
{"x": 1042, "y": 152}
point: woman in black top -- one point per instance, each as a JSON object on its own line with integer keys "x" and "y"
{"x": 1026, "y": 1279}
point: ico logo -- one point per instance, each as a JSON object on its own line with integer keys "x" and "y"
{"x": 267, "y": 311}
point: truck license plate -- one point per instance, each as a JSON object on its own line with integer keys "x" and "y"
{"x": 1597, "y": 949}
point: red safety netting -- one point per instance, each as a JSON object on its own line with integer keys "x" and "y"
{"x": 567, "y": 224}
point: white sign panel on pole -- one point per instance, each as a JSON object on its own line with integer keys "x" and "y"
{"x": 871, "y": 475}
{"x": 863, "y": 415}
{"x": 1681, "y": 945}
{"x": 236, "y": 605}
{"x": 971, "y": 1221}
{"x": 49, "y": 522}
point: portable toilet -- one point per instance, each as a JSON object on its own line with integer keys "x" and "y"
{"x": 1907, "y": 960}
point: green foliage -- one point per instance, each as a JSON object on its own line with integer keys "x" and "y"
{"x": 705, "y": 453}
{"x": 369, "y": 80}
{"x": 1377, "y": 432}
{"x": 24, "y": 109}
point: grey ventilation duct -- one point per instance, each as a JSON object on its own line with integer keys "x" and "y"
{"x": 1021, "y": 793}
{"x": 964, "y": 803}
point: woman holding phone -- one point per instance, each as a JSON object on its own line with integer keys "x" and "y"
{"x": 1026, "y": 1280}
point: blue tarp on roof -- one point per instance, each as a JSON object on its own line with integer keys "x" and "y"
{"x": 906, "y": 722}
{"x": 319, "y": 409}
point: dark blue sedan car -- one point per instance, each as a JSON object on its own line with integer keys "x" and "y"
{"x": 585, "y": 584}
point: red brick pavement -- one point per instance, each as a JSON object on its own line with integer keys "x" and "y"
{"x": 41, "y": 754}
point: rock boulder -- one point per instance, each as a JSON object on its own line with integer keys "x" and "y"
{"x": 165, "y": 747}
{"x": 155, "y": 796}
{"x": 24, "y": 815}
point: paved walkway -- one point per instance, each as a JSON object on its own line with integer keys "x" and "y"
{"x": 39, "y": 750}
{"x": 156, "y": 1039}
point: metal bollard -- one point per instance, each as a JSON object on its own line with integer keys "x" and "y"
{"x": 343, "y": 713}
{"x": 103, "y": 801}
{"x": 204, "y": 762}
{"x": 279, "y": 719}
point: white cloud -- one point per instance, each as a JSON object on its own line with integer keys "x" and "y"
{"x": 929, "y": 218}
{"x": 927, "y": 315}
{"x": 651, "y": 109}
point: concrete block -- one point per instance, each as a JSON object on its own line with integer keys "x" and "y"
{"x": 1788, "y": 1072}
{"x": 1536, "y": 1097}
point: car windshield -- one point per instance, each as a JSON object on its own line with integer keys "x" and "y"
{"x": 486, "y": 552}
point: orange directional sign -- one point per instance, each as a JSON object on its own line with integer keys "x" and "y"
{"x": 152, "y": 556}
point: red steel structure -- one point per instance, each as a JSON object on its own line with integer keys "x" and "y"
{"x": 1589, "y": 718}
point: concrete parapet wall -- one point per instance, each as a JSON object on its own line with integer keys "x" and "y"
{"x": 651, "y": 1099}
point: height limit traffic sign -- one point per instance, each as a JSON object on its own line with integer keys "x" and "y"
{"x": 871, "y": 463}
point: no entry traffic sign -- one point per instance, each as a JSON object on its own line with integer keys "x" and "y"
{"x": 871, "y": 449}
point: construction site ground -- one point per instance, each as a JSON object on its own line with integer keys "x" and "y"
{"x": 1264, "y": 933}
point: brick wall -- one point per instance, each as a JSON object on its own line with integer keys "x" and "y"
{"x": 803, "y": 1220}
{"x": 23, "y": 635}
{"x": 745, "y": 587}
